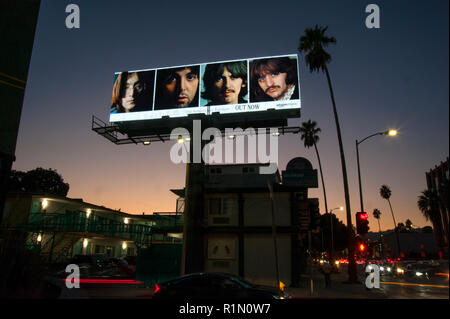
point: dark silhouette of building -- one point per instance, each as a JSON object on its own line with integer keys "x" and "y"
{"x": 17, "y": 27}
{"x": 235, "y": 234}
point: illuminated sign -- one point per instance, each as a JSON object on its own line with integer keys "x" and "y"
{"x": 227, "y": 87}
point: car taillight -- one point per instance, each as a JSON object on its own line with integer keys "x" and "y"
{"x": 156, "y": 289}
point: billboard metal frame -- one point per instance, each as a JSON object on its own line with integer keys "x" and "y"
{"x": 113, "y": 133}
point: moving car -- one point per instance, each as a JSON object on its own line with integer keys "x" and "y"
{"x": 419, "y": 271}
{"x": 213, "y": 286}
{"x": 386, "y": 268}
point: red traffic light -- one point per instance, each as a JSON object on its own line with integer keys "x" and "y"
{"x": 362, "y": 247}
{"x": 363, "y": 216}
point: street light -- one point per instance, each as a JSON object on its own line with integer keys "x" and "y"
{"x": 331, "y": 223}
{"x": 389, "y": 133}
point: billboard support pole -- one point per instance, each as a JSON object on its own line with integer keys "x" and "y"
{"x": 193, "y": 239}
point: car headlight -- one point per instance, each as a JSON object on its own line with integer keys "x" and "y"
{"x": 382, "y": 268}
{"x": 400, "y": 271}
{"x": 418, "y": 274}
{"x": 389, "y": 269}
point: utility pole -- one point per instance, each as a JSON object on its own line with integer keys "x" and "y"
{"x": 311, "y": 281}
{"x": 274, "y": 233}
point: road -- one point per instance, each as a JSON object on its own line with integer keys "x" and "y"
{"x": 415, "y": 289}
{"x": 411, "y": 288}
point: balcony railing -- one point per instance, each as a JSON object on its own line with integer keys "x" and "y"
{"x": 45, "y": 222}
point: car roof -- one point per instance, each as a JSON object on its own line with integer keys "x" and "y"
{"x": 200, "y": 274}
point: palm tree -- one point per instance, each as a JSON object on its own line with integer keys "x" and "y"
{"x": 312, "y": 43}
{"x": 309, "y": 135}
{"x": 386, "y": 193}
{"x": 428, "y": 204}
{"x": 377, "y": 215}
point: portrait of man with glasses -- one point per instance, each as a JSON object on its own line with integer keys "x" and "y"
{"x": 133, "y": 92}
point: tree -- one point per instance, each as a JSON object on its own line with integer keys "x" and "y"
{"x": 15, "y": 183}
{"x": 377, "y": 215}
{"x": 427, "y": 230}
{"x": 386, "y": 193}
{"x": 428, "y": 203}
{"x": 409, "y": 225}
{"x": 339, "y": 233}
{"x": 443, "y": 201}
{"x": 312, "y": 43}
{"x": 38, "y": 180}
{"x": 310, "y": 138}
{"x": 401, "y": 228}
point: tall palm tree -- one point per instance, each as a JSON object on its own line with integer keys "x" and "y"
{"x": 310, "y": 138}
{"x": 428, "y": 204}
{"x": 312, "y": 43}
{"x": 377, "y": 215}
{"x": 386, "y": 193}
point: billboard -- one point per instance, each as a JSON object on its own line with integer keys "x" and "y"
{"x": 226, "y": 87}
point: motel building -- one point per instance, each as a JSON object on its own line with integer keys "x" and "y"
{"x": 59, "y": 228}
{"x": 236, "y": 230}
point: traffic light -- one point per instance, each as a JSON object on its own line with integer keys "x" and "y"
{"x": 362, "y": 223}
{"x": 362, "y": 247}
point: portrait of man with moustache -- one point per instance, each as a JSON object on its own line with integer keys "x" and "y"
{"x": 225, "y": 83}
{"x": 273, "y": 79}
{"x": 177, "y": 87}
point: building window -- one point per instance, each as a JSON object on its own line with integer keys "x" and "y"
{"x": 215, "y": 206}
{"x": 99, "y": 249}
{"x": 220, "y": 206}
{"x": 110, "y": 251}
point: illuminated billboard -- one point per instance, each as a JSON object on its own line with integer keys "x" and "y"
{"x": 226, "y": 87}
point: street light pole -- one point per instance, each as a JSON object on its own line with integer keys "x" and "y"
{"x": 390, "y": 133}
{"x": 359, "y": 177}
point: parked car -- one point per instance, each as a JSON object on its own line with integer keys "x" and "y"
{"x": 213, "y": 286}
{"x": 90, "y": 266}
{"x": 131, "y": 260}
{"x": 123, "y": 267}
{"x": 98, "y": 260}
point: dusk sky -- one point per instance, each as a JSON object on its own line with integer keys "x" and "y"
{"x": 392, "y": 77}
